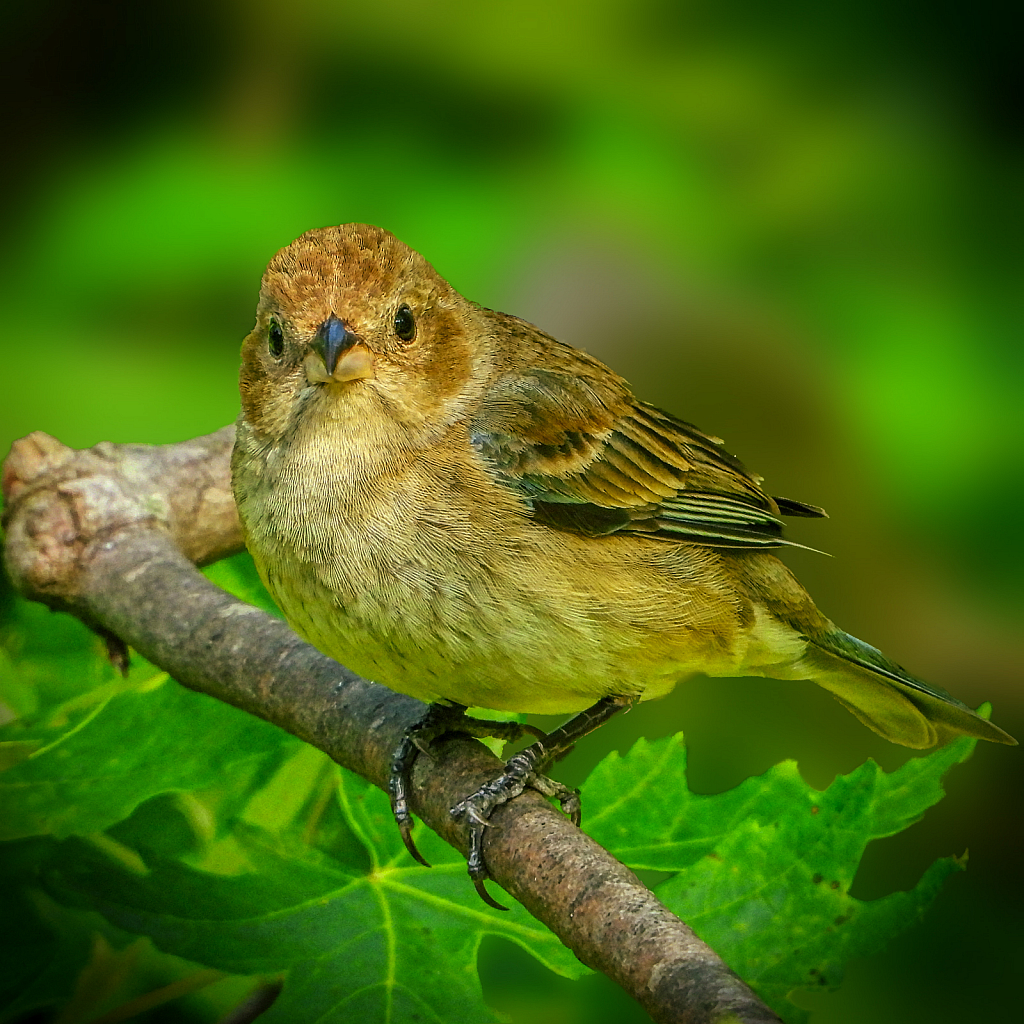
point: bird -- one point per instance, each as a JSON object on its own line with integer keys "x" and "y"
{"x": 449, "y": 501}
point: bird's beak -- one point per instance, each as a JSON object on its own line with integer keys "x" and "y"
{"x": 337, "y": 355}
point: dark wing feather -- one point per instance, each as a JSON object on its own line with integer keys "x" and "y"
{"x": 590, "y": 458}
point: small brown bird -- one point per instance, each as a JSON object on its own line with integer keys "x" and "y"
{"x": 449, "y": 501}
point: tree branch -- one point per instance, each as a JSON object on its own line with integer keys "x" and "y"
{"x": 112, "y": 534}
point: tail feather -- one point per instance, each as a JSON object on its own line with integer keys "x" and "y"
{"x": 889, "y": 700}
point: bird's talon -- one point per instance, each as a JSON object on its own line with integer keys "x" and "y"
{"x": 405, "y": 828}
{"x": 423, "y": 748}
{"x": 486, "y": 896}
{"x": 476, "y": 819}
{"x": 572, "y": 807}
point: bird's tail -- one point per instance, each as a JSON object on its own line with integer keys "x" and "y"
{"x": 889, "y": 700}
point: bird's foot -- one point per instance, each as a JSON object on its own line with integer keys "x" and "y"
{"x": 520, "y": 773}
{"x": 438, "y": 720}
{"x": 523, "y": 771}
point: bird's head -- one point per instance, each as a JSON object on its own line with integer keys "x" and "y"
{"x": 352, "y": 321}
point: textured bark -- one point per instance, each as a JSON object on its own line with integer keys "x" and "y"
{"x": 113, "y": 534}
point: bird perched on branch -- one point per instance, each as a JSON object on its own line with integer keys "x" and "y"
{"x": 449, "y": 501}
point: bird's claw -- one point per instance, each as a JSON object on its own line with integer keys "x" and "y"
{"x": 405, "y": 829}
{"x": 572, "y": 806}
{"x": 438, "y": 720}
{"x": 421, "y": 745}
{"x": 477, "y": 808}
{"x": 522, "y": 770}
{"x": 468, "y": 810}
{"x": 478, "y": 884}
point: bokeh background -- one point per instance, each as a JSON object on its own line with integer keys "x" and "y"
{"x": 796, "y": 224}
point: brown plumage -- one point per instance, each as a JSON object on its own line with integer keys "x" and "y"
{"x": 455, "y": 504}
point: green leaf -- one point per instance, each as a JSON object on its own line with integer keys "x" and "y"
{"x": 51, "y": 656}
{"x": 17, "y": 697}
{"x": 97, "y": 745}
{"x": 38, "y": 958}
{"x": 762, "y": 873}
{"x": 252, "y": 853}
{"x": 237, "y": 575}
{"x": 394, "y": 943}
{"x": 96, "y": 756}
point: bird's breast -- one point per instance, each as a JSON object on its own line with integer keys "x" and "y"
{"x": 417, "y": 570}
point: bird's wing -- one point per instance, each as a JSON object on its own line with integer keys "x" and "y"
{"x": 592, "y": 459}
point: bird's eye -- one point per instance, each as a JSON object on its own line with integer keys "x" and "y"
{"x": 275, "y": 339}
{"x": 405, "y": 324}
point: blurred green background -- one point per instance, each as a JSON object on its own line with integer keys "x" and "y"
{"x": 798, "y": 225}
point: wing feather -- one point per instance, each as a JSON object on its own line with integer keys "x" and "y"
{"x": 588, "y": 457}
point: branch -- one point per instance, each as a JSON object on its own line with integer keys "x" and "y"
{"x": 112, "y": 534}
